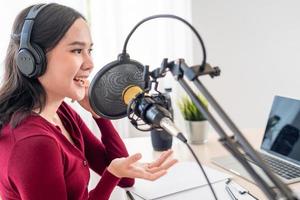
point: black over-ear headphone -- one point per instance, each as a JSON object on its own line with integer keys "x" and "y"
{"x": 31, "y": 59}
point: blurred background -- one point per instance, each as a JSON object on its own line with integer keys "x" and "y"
{"x": 255, "y": 43}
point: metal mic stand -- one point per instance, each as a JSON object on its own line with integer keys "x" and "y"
{"x": 179, "y": 69}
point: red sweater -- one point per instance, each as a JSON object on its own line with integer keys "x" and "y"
{"x": 37, "y": 162}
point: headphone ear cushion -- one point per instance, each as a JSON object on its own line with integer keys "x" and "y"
{"x": 25, "y": 62}
{"x": 40, "y": 61}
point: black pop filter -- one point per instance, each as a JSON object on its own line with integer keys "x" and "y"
{"x": 106, "y": 88}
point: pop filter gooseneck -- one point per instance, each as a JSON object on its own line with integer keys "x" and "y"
{"x": 172, "y": 17}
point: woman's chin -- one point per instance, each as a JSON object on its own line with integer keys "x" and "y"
{"x": 77, "y": 97}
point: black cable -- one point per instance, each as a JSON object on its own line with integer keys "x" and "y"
{"x": 172, "y": 17}
{"x": 203, "y": 171}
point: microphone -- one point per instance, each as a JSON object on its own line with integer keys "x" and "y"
{"x": 117, "y": 90}
{"x": 150, "y": 109}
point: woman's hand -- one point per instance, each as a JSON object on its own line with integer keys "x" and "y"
{"x": 85, "y": 103}
{"x": 130, "y": 167}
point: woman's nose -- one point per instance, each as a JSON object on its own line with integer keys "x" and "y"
{"x": 88, "y": 63}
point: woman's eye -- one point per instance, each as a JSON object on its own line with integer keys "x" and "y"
{"x": 90, "y": 51}
{"x": 77, "y": 51}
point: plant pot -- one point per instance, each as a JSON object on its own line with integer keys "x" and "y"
{"x": 197, "y": 131}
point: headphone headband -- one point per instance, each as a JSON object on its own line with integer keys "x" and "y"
{"x": 34, "y": 11}
{"x": 28, "y": 25}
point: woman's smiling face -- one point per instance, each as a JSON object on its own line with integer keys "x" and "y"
{"x": 69, "y": 64}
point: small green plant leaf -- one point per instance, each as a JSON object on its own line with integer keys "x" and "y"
{"x": 189, "y": 110}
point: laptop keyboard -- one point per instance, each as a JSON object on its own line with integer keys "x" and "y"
{"x": 282, "y": 168}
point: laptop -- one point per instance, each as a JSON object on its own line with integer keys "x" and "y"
{"x": 280, "y": 146}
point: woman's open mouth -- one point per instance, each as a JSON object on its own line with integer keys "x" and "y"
{"x": 81, "y": 81}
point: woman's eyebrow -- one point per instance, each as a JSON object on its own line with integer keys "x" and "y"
{"x": 79, "y": 43}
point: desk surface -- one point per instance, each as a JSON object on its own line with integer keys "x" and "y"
{"x": 204, "y": 152}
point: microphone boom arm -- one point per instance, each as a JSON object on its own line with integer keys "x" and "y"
{"x": 179, "y": 69}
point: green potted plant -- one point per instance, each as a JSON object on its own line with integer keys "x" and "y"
{"x": 196, "y": 124}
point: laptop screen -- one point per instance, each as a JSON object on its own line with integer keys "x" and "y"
{"x": 282, "y": 133}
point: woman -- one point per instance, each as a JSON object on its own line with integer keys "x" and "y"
{"x": 46, "y": 149}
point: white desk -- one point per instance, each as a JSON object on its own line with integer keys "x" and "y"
{"x": 204, "y": 152}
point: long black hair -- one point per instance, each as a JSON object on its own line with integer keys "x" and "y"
{"x": 19, "y": 95}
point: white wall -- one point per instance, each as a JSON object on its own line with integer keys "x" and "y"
{"x": 257, "y": 46}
